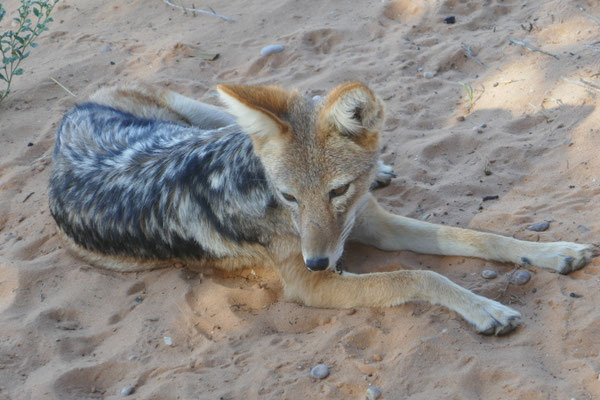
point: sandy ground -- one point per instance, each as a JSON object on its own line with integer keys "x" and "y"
{"x": 69, "y": 331}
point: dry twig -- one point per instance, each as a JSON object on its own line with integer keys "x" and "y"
{"x": 196, "y": 10}
{"x": 62, "y": 86}
{"x": 595, "y": 19}
{"x": 469, "y": 54}
{"x": 582, "y": 83}
{"x": 531, "y": 47}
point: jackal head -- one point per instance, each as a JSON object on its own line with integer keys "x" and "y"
{"x": 320, "y": 157}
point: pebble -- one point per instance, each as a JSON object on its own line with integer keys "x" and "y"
{"x": 460, "y": 118}
{"x": 373, "y": 393}
{"x": 127, "y": 390}
{"x": 316, "y": 98}
{"x": 575, "y": 295}
{"x": 480, "y": 128}
{"x": 583, "y": 228}
{"x": 539, "y": 227}
{"x": 320, "y": 371}
{"x": 132, "y": 357}
{"x": 450, "y": 20}
{"x": 107, "y": 48}
{"x": 519, "y": 277}
{"x": 428, "y": 74}
{"x": 489, "y": 274}
{"x": 168, "y": 341}
{"x": 271, "y": 49}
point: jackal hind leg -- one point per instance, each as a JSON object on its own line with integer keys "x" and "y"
{"x": 149, "y": 101}
{"x": 387, "y": 231}
{"x": 331, "y": 290}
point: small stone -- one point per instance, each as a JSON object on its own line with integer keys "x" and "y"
{"x": 428, "y": 74}
{"x": 377, "y": 357}
{"x": 320, "y": 371}
{"x": 460, "y": 118}
{"x": 107, "y": 48}
{"x": 373, "y": 393}
{"x": 549, "y": 219}
{"x": 271, "y": 49}
{"x": 539, "y": 227}
{"x": 495, "y": 84}
{"x": 316, "y": 98}
{"x": 575, "y": 295}
{"x": 583, "y": 228}
{"x": 489, "y": 274}
{"x": 519, "y": 277}
{"x": 450, "y": 20}
{"x": 132, "y": 357}
{"x": 127, "y": 390}
{"x": 29, "y": 144}
{"x": 168, "y": 341}
{"x": 483, "y": 126}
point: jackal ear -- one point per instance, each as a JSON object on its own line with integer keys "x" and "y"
{"x": 352, "y": 108}
{"x": 257, "y": 108}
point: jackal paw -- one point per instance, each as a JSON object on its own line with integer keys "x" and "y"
{"x": 563, "y": 257}
{"x": 384, "y": 176}
{"x": 493, "y": 318}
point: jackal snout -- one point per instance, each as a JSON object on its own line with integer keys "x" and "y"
{"x": 320, "y": 158}
{"x": 320, "y": 236}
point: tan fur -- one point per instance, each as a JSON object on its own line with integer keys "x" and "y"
{"x": 342, "y": 148}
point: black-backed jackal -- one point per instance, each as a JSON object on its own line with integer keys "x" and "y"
{"x": 143, "y": 176}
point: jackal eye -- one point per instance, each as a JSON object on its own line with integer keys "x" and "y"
{"x": 339, "y": 191}
{"x": 289, "y": 197}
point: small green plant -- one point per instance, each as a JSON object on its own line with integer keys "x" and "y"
{"x": 470, "y": 94}
{"x": 31, "y": 22}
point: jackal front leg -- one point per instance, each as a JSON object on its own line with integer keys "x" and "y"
{"x": 331, "y": 290}
{"x": 384, "y": 230}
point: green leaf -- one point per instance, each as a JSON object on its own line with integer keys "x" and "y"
{"x": 2, "y": 77}
{"x": 33, "y": 44}
{"x": 20, "y": 39}
{"x": 36, "y": 12}
{"x": 19, "y": 71}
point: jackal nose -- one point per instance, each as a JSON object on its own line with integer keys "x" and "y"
{"x": 317, "y": 264}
